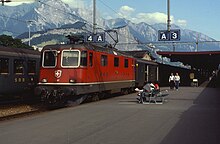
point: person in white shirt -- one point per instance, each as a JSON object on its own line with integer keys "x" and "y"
{"x": 177, "y": 81}
{"x": 171, "y": 81}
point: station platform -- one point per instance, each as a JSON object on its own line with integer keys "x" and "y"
{"x": 190, "y": 115}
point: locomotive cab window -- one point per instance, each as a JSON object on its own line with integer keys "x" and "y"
{"x": 4, "y": 66}
{"x": 19, "y": 67}
{"x": 49, "y": 58}
{"x": 70, "y": 58}
{"x": 31, "y": 67}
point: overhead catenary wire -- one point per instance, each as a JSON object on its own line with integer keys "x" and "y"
{"x": 111, "y": 8}
{"x": 171, "y": 43}
{"x": 16, "y": 19}
{"x": 97, "y": 26}
{"x": 121, "y": 35}
{"x": 155, "y": 42}
{"x": 68, "y": 13}
{"x": 10, "y": 31}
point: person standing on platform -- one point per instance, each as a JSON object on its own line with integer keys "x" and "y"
{"x": 171, "y": 81}
{"x": 177, "y": 81}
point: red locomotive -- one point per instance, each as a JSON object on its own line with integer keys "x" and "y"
{"x": 85, "y": 69}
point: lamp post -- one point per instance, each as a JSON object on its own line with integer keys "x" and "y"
{"x": 29, "y": 23}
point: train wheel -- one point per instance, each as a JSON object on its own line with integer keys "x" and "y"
{"x": 95, "y": 97}
{"x": 125, "y": 91}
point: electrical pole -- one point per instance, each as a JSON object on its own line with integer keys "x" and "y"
{"x": 94, "y": 16}
{"x": 29, "y": 35}
{"x": 168, "y": 15}
{"x": 3, "y": 1}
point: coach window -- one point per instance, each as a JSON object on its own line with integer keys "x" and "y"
{"x": 83, "y": 61}
{"x": 19, "y": 66}
{"x": 4, "y": 66}
{"x": 49, "y": 58}
{"x": 90, "y": 59}
{"x": 126, "y": 63}
{"x": 116, "y": 62}
{"x": 104, "y": 60}
{"x": 31, "y": 67}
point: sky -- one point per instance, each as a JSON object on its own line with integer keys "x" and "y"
{"x": 198, "y": 15}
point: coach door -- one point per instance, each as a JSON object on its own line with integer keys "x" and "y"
{"x": 4, "y": 75}
{"x": 153, "y": 73}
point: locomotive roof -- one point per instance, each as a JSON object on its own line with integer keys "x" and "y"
{"x": 96, "y": 47}
{"x": 139, "y": 55}
{"x": 9, "y": 51}
{"x": 89, "y": 46}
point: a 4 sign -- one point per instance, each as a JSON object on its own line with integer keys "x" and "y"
{"x": 172, "y": 35}
{"x": 98, "y": 37}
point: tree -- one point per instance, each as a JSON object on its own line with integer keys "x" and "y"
{"x": 8, "y": 41}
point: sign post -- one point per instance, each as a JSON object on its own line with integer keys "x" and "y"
{"x": 172, "y": 35}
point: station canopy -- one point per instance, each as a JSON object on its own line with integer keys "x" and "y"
{"x": 206, "y": 60}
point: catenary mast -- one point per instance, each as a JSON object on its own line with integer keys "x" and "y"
{"x": 94, "y": 17}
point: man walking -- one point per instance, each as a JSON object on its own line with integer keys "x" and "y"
{"x": 177, "y": 81}
{"x": 171, "y": 81}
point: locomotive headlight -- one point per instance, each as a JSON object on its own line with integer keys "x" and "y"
{"x": 44, "y": 80}
{"x": 72, "y": 81}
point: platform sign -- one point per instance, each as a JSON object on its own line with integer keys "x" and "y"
{"x": 97, "y": 38}
{"x": 89, "y": 38}
{"x": 172, "y": 35}
{"x": 163, "y": 35}
{"x": 175, "y": 35}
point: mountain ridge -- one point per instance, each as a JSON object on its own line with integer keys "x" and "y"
{"x": 51, "y": 17}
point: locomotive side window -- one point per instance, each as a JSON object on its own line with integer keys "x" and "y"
{"x": 116, "y": 62}
{"x": 83, "y": 60}
{"x": 19, "y": 66}
{"x": 90, "y": 59}
{"x": 4, "y": 65}
{"x": 70, "y": 58}
{"x": 49, "y": 58}
{"x": 31, "y": 67}
{"x": 104, "y": 60}
{"x": 126, "y": 63}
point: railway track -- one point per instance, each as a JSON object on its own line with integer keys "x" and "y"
{"x": 17, "y": 108}
{"x": 14, "y": 108}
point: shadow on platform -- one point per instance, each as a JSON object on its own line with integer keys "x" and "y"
{"x": 200, "y": 123}
{"x": 215, "y": 81}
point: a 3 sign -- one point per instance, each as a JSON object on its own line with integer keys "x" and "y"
{"x": 172, "y": 35}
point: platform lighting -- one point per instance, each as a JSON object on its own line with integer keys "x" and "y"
{"x": 29, "y": 24}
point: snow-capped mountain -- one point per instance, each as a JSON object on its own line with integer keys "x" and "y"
{"x": 148, "y": 34}
{"x": 51, "y": 20}
{"x": 43, "y": 15}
